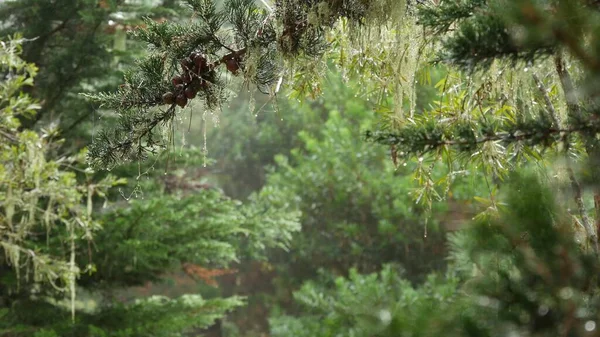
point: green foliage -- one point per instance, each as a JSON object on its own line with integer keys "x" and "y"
{"x": 78, "y": 46}
{"x": 483, "y": 30}
{"x": 51, "y": 244}
{"x": 531, "y": 273}
{"x": 528, "y": 277}
{"x": 478, "y": 37}
{"x": 39, "y": 195}
{"x": 151, "y": 238}
{"x": 246, "y": 39}
{"x": 153, "y": 316}
{"x": 357, "y": 208}
{"x": 365, "y": 305}
{"x": 159, "y": 233}
{"x": 143, "y": 241}
{"x": 529, "y": 95}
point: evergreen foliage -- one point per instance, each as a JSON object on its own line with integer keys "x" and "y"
{"x": 520, "y": 86}
{"x": 364, "y": 305}
{"x": 199, "y": 57}
{"x": 57, "y": 258}
{"x": 474, "y": 39}
{"x": 199, "y": 233}
{"x": 39, "y": 195}
{"x": 528, "y": 93}
{"x": 357, "y": 208}
{"x": 153, "y": 316}
{"x": 161, "y": 233}
{"x": 522, "y": 274}
{"x": 78, "y": 46}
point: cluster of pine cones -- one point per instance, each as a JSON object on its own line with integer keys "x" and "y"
{"x": 190, "y": 81}
{"x": 195, "y": 71}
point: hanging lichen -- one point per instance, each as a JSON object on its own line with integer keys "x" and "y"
{"x": 37, "y": 193}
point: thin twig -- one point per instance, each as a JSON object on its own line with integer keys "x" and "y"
{"x": 591, "y": 147}
{"x": 568, "y": 88}
{"x": 591, "y": 231}
{"x": 8, "y": 136}
{"x": 547, "y": 100}
{"x": 589, "y": 228}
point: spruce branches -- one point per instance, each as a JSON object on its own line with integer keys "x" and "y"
{"x": 186, "y": 61}
{"x": 239, "y": 39}
{"x": 425, "y": 136}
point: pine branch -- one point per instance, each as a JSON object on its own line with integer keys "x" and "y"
{"x": 416, "y": 141}
{"x": 118, "y": 147}
{"x": 186, "y": 61}
{"x": 442, "y": 17}
{"x": 240, "y": 36}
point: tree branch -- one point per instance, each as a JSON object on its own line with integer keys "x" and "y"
{"x": 514, "y": 136}
{"x": 589, "y": 228}
{"x": 547, "y": 100}
{"x": 568, "y": 88}
{"x": 8, "y": 136}
{"x": 578, "y": 196}
{"x": 590, "y": 142}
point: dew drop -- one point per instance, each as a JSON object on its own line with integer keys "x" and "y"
{"x": 590, "y": 326}
{"x": 566, "y": 293}
{"x": 385, "y": 316}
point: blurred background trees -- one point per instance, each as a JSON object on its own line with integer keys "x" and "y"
{"x": 261, "y": 208}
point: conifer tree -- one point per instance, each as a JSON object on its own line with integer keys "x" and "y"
{"x": 57, "y": 248}
{"x": 196, "y": 60}
{"x": 38, "y": 195}
{"x": 522, "y": 51}
{"x": 488, "y": 108}
{"x": 78, "y": 46}
{"x": 521, "y": 274}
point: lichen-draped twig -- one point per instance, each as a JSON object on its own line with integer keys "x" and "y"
{"x": 575, "y": 112}
{"x": 577, "y": 194}
{"x": 547, "y": 100}
{"x": 592, "y": 234}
